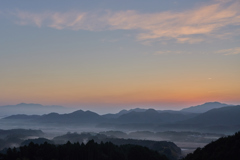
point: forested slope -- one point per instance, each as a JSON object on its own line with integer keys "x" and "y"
{"x": 225, "y": 148}
{"x": 76, "y": 151}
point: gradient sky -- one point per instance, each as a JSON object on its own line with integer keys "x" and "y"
{"x": 104, "y": 55}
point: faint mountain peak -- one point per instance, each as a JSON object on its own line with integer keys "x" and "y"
{"x": 21, "y": 104}
{"x": 28, "y": 104}
{"x": 81, "y": 112}
{"x": 89, "y": 112}
{"x": 212, "y": 103}
{"x": 151, "y": 111}
{"x": 32, "y": 109}
{"x": 123, "y": 111}
{"x": 204, "y": 107}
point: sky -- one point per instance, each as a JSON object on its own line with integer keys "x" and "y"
{"x": 106, "y": 55}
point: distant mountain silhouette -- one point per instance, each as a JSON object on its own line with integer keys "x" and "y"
{"x": 218, "y": 120}
{"x": 30, "y": 109}
{"x": 124, "y": 111}
{"x": 229, "y": 115}
{"x": 112, "y": 115}
{"x": 149, "y": 116}
{"x": 88, "y": 117}
{"x": 204, "y": 107}
{"x": 153, "y": 116}
{"x": 77, "y": 117}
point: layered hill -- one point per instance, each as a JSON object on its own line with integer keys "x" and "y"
{"x": 220, "y": 120}
{"x": 204, "y": 107}
{"x": 229, "y": 115}
{"x": 77, "y": 117}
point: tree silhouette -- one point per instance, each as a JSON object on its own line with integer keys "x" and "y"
{"x": 76, "y": 151}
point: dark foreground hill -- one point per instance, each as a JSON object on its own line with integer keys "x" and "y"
{"x": 222, "y": 149}
{"x": 13, "y": 137}
{"x": 90, "y": 151}
{"x": 169, "y": 149}
{"x": 21, "y": 137}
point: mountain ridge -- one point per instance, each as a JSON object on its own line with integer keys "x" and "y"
{"x": 32, "y": 109}
{"x": 204, "y": 107}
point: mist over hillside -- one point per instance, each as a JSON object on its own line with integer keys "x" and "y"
{"x": 136, "y": 119}
{"x": 186, "y": 129}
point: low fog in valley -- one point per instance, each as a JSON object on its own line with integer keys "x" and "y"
{"x": 180, "y": 131}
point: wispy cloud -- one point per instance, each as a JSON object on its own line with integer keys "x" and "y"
{"x": 182, "y": 26}
{"x": 191, "y": 26}
{"x": 69, "y": 20}
{"x": 171, "y": 52}
{"x": 232, "y": 51}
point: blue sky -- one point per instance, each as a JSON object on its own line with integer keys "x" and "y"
{"x": 107, "y": 55}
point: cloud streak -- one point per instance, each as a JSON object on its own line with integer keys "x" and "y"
{"x": 68, "y": 20}
{"x": 191, "y": 26}
{"x": 231, "y": 51}
{"x": 170, "y": 52}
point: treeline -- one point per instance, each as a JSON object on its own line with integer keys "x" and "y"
{"x": 77, "y": 151}
{"x": 225, "y": 148}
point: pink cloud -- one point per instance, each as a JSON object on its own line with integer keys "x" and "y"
{"x": 183, "y": 26}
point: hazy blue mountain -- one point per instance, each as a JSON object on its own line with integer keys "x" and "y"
{"x": 149, "y": 116}
{"x": 22, "y": 117}
{"x": 204, "y": 107}
{"x": 224, "y": 120}
{"x": 112, "y": 115}
{"x": 138, "y": 110}
{"x": 30, "y": 109}
{"x": 122, "y": 112}
{"x": 77, "y": 117}
{"x": 153, "y": 116}
{"x": 221, "y": 120}
{"x": 88, "y": 117}
{"x": 228, "y": 116}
